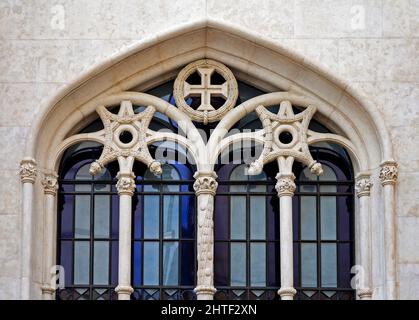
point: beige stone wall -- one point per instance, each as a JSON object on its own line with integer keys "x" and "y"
{"x": 374, "y": 44}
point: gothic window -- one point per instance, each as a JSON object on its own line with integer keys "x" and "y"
{"x": 88, "y": 229}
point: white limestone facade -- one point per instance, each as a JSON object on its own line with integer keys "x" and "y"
{"x": 356, "y": 61}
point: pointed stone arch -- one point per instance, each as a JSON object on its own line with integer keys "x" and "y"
{"x": 253, "y": 59}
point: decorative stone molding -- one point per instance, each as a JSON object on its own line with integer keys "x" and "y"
{"x": 126, "y": 290}
{"x": 363, "y": 185}
{"x": 206, "y": 112}
{"x": 365, "y": 293}
{"x": 126, "y": 184}
{"x": 47, "y": 289}
{"x": 205, "y": 183}
{"x": 389, "y": 172}
{"x": 285, "y": 135}
{"x": 28, "y": 170}
{"x": 285, "y": 185}
{"x": 50, "y": 184}
{"x": 287, "y": 293}
{"x": 134, "y": 126}
{"x": 205, "y": 290}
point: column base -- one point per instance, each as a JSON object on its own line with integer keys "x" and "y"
{"x": 287, "y": 293}
{"x": 365, "y": 294}
{"x": 48, "y": 292}
{"x": 124, "y": 292}
{"x": 205, "y": 292}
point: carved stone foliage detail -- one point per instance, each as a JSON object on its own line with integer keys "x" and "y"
{"x": 389, "y": 173}
{"x": 285, "y": 185}
{"x": 285, "y": 135}
{"x": 50, "y": 184}
{"x": 206, "y": 90}
{"x": 28, "y": 170}
{"x": 205, "y": 185}
{"x": 363, "y": 186}
{"x": 126, "y": 184}
{"x": 125, "y": 136}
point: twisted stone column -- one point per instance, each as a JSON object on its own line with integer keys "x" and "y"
{"x": 363, "y": 186}
{"x": 27, "y": 173}
{"x": 126, "y": 188}
{"x": 50, "y": 184}
{"x": 388, "y": 177}
{"x": 205, "y": 188}
{"x": 286, "y": 188}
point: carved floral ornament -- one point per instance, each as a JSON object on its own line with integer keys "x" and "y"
{"x": 286, "y": 135}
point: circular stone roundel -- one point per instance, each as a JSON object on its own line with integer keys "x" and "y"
{"x": 205, "y": 90}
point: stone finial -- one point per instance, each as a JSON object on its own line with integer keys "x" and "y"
{"x": 50, "y": 183}
{"x": 363, "y": 185}
{"x": 125, "y": 184}
{"x": 389, "y": 172}
{"x": 285, "y": 185}
{"x": 28, "y": 170}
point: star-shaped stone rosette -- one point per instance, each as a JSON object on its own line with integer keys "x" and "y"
{"x": 126, "y": 121}
{"x": 296, "y": 127}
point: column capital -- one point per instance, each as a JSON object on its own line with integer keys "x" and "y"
{"x": 389, "y": 172}
{"x": 363, "y": 185}
{"x": 205, "y": 183}
{"x": 50, "y": 183}
{"x": 28, "y": 170}
{"x": 126, "y": 183}
{"x": 285, "y": 185}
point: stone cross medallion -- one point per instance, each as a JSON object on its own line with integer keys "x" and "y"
{"x": 227, "y": 90}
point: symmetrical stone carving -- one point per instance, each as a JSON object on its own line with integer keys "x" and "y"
{"x": 285, "y": 185}
{"x": 135, "y": 127}
{"x": 363, "y": 185}
{"x": 389, "y": 172}
{"x": 28, "y": 170}
{"x": 294, "y": 127}
{"x": 206, "y": 112}
{"x": 288, "y": 292}
{"x": 50, "y": 184}
{"x": 126, "y": 184}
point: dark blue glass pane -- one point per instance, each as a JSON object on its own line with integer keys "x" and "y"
{"x": 344, "y": 211}
{"x": 295, "y": 217}
{"x": 344, "y": 265}
{"x": 188, "y": 217}
{"x": 67, "y": 217}
{"x": 274, "y": 270}
{"x": 67, "y": 187}
{"x": 114, "y": 262}
{"x": 221, "y": 270}
{"x": 115, "y": 216}
{"x": 138, "y": 217}
{"x": 188, "y": 264}
{"x": 66, "y": 260}
{"x": 297, "y": 281}
{"x": 137, "y": 265}
{"x": 273, "y": 217}
{"x": 221, "y": 215}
